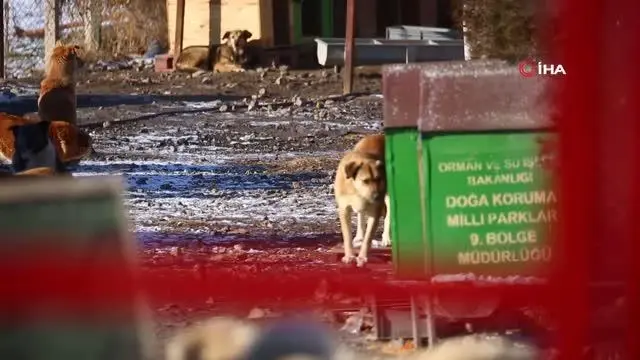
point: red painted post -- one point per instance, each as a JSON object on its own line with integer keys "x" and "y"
{"x": 600, "y": 165}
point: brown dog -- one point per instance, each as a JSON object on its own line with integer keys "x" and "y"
{"x": 195, "y": 58}
{"x": 360, "y": 187}
{"x": 229, "y": 56}
{"x": 71, "y": 143}
{"x": 57, "y": 98}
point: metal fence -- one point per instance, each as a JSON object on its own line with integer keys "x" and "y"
{"x": 24, "y": 26}
{"x": 120, "y": 27}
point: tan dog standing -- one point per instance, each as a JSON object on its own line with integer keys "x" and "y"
{"x": 231, "y": 55}
{"x": 57, "y": 98}
{"x": 360, "y": 187}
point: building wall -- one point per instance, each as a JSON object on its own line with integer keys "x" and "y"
{"x": 373, "y": 15}
{"x": 205, "y": 21}
{"x": 429, "y": 12}
{"x": 366, "y": 18}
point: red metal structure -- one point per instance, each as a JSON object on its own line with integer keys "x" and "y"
{"x": 600, "y": 152}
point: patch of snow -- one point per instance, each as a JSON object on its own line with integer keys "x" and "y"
{"x": 160, "y": 195}
{"x": 470, "y": 277}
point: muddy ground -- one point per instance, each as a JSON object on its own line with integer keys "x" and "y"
{"x": 278, "y": 82}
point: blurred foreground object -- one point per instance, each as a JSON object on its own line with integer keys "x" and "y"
{"x": 294, "y": 339}
{"x": 68, "y": 262}
{"x": 220, "y": 338}
{"x": 479, "y": 347}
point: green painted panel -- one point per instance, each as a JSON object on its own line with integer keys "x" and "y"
{"x": 81, "y": 216}
{"x": 327, "y": 18}
{"x": 490, "y": 203}
{"x": 85, "y": 215}
{"x": 404, "y": 188}
{"x": 68, "y": 340}
{"x": 296, "y": 10}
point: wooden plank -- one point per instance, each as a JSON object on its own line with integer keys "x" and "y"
{"x": 179, "y": 35}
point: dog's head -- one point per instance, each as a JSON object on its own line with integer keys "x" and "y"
{"x": 33, "y": 147}
{"x": 66, "y": 59}
{"x": 237, "y": 39}
{"x": 368, "y": 176}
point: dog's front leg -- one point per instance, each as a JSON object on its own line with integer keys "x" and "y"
{"x": 372, "y": 224}
{"x": 386, "y": 236}
{"x": 361, "y": 218}
{"x": 345, "y": 226}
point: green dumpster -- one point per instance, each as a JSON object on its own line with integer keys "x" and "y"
{"x": 469, "y": 159}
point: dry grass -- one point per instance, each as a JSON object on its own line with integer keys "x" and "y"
{"x": 499, "y": 29}
{"x": 134, "y": 25}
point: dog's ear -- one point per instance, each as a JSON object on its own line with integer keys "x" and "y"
{"x": 226, "y": 35}
{"x": 351, "y": 169}
{"x": 246, "y": 34}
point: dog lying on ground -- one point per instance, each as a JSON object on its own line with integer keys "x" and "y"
{"x": 229, "y": 56}
{"x": 360, "y": 187}
{"x": 219, "y": 338}
{"x": 70, "y": 142}
{"x": 57, "y": 98}
{"x": 478, "y": 347}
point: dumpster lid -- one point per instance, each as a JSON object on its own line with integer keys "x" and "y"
{"x": 480, "y": 95}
